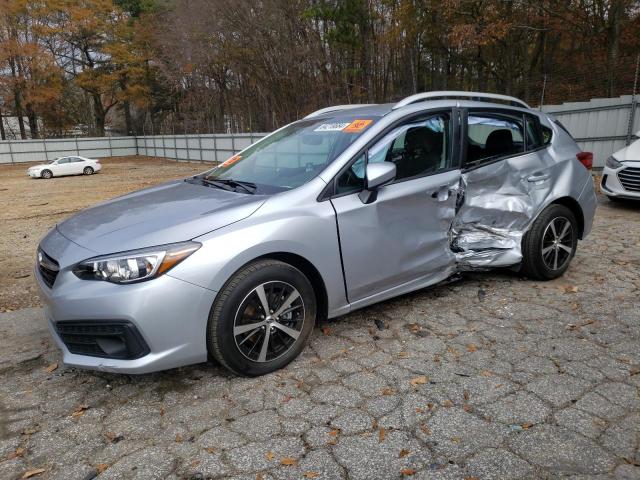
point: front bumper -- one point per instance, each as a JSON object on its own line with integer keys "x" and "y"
{"x": 169, "y": 316}
{"x": 33, "y": 174}
{"x": 622, "y": 182}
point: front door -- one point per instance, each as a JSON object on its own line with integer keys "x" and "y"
{"x": 400, "y": 241}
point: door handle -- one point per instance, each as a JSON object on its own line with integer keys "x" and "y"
{"x": 538, "y": 177}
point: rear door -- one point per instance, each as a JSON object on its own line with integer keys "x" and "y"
{"x": 507, "y": 175}
{"x": 400, "y": 239}
{"x": 64, "y": 166}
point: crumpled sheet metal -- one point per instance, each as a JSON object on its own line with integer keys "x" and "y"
{"x": 496, "y": 207}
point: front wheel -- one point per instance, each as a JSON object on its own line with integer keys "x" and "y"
{"x": 262, "y": 318}
{"x": 46, "y": 174}
{"x": 88, "y": 171}
{"x": 550, "y": 244}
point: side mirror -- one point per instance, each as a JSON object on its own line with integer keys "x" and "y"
{"x": 377, "y": 175}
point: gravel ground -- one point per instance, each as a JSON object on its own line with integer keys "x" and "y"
{"x": 489, "y": 377}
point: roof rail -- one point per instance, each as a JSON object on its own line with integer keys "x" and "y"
{"x": 477, "y": 96}
{"x": 337, "y": 108}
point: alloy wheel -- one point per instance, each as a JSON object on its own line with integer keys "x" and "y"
{"x": 557, "y": 243}
{"x": 269, "y": 321}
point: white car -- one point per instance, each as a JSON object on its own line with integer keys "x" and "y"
{"x": 65, "y": 166}
{"x": 621, "y": 174}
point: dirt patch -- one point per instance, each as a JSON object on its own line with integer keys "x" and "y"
{"x": 30, "y": 207}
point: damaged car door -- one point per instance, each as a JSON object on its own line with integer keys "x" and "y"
{"x": 506, "y": 178}
{"x": 396, "y": 239}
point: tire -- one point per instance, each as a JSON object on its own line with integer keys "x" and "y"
{"x": 237, "y": 325}
{"x": 546, "y": 255}
{"x": 46, "y": 174}
{"x": 88, "y": 171}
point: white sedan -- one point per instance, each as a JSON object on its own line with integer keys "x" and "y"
{"x": 65, "y": 166}
{"x": 621, "y": 173}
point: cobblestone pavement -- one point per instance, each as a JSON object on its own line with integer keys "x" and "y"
{"x": 489, "y": 377}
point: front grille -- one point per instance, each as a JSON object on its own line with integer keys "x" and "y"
{"x": 630, "y": 178}
{"x": 117, "y": 339}
{"x": 48, "y": 268}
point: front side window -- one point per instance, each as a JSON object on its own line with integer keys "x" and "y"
{"x": 291, "y": 156}
{"x": 63, "y": 160}
{"x": 493, "y": 136}
{"x": 417, "y": 149}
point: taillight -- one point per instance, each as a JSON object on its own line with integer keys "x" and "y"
{"x": 586, "y": 159}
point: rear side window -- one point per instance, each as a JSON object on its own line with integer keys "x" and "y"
{"x": 535, "y": 137}
{"x": 491, "y": 136}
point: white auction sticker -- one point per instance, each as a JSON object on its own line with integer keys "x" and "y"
{"x": 332, "y": 127}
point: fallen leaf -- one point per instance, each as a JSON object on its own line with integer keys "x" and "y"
{"x": 570, "y": 289}
{"x": 51, "y": 368}
{"x": 269, "y": 455}
{"x": 178, "y": 438}
{"x": 465, "y": 394}
{"x": 334, "y": 432}
{"x": 326, "y": 330}
{"x": 33, "y": 473}
{"x": 527, "y": 425}
{"x": 447, "y": 404}
{"x": 374, "y": 424}
{"x": 455, "y": 439}
{"x": 421, "y": 380}
{"x": 310, "y": 474}
{"x": 388, "y": 391}
{"x": 471, "y": 478}
{"x": 403, "y": 453}
{"x": 381, "y": 434}
{"x": 403, "y": 354}
{"x": 425, "y": 429}
{"x": 101, "y": 467}
{"x": 333, "y": 441}
{"x": 78, "y": 412}
{"x": 210, "y": 450}
{"x": 471, "y": 347}
{"x": 408, "y": 471}
{"x": 467, "y": 408}
{"x": 486, "y": 373}
{"x": 288, "y": 461}
{"x": 19, "y": 452}
{"x": 259, "y": 476}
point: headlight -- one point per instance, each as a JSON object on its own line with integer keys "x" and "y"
{"x": 612, "y": 163}
{"x": 136, "y": 265}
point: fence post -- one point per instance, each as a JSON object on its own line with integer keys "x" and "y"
{"x": 46, "y": 154}
{"x": 110, "y": 149}
{"x": 634, "y": 103}
{"x": 11, "y": 152}
{"x": 77, "y": 149}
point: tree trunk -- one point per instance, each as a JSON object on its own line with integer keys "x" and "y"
{"x": 33, "y": 121}
{"x": 3, "y": 134}
{"x": 99, "y": 114}
{"x": 613, "y": 44}
{"x": 128, "y": 122}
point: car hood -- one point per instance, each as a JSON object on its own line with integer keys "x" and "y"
{"x": 172, "y": 212}
{"x": 630, "y": 153}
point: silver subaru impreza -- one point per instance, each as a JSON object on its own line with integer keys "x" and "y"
{"x": 350, "y": 206}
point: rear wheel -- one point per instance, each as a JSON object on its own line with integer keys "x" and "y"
{"x": 46, "y": 174}
{"x": 88, "y": 171}
{"x": 262, "y": 318}
{"x": 550, "y": 244}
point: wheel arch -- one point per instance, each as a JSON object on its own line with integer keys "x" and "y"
{"x": 311, "y": 272}
{"x": 573, "y": 205}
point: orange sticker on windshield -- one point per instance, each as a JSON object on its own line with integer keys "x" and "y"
{"x": 231, "y": 161}
{"x": 358, "y": 125}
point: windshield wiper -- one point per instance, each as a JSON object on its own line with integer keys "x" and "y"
{"x": 248, "y": 187}
{"x": 212, "y": 183}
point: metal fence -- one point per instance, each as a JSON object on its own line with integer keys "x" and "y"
{"x": 205, "y": 147}
{"x": 601, "y": 125}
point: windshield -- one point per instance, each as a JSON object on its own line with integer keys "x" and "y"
{"x": 289, "y": 157}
